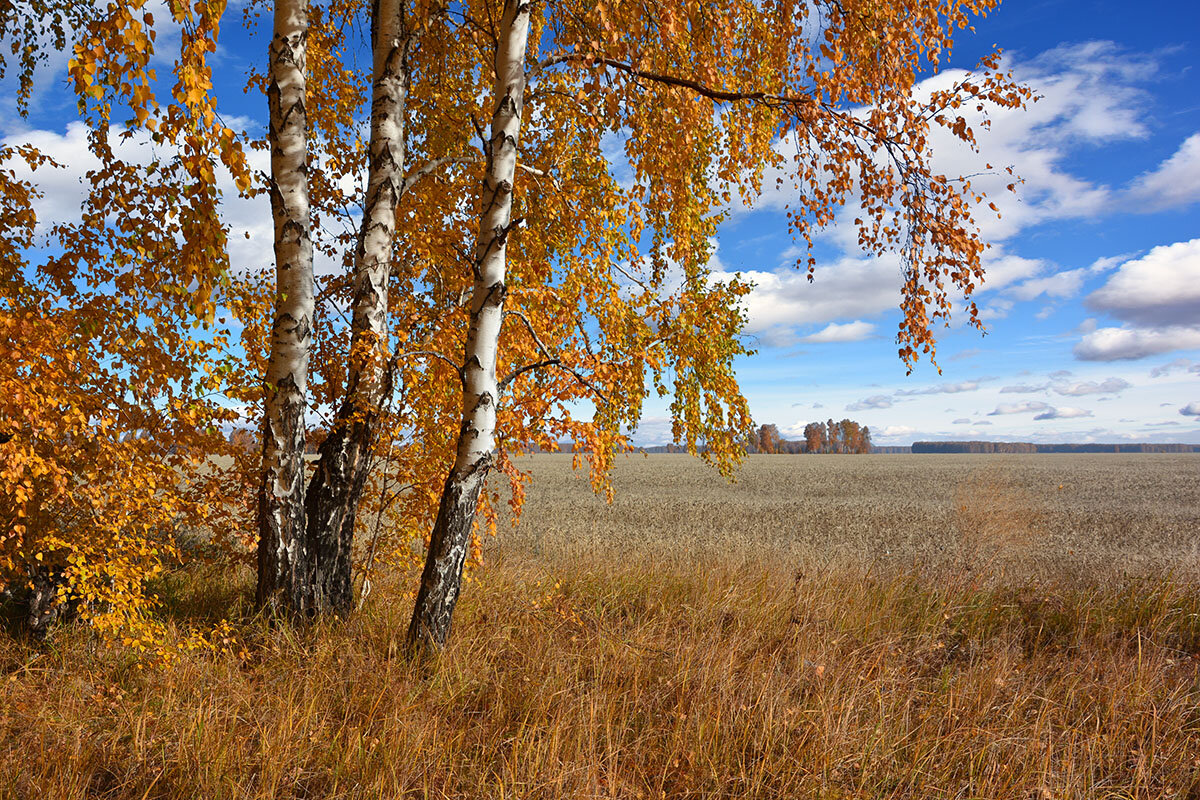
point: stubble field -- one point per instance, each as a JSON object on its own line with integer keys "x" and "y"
{"x": 827, "y": 627}
{"x": 1046, "y": 513}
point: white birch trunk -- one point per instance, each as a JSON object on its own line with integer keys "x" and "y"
{"x": 282, "y": 557}
{"x": 450, "y": 539}
{"x": 345, "y": 454}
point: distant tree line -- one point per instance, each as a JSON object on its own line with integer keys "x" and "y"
{"x": 846, "y": 436}
{"x": 1030, "y": 447}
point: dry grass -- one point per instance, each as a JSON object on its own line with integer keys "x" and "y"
{"x": 628, "y": 660}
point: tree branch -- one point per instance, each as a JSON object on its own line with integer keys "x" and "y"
{"x": 430, "y": 354}
{"x": 516, "y": 373}
{"x": 550, "y": 360}
{"x": 710, "y": 92}
{"x": 428, "y": 167}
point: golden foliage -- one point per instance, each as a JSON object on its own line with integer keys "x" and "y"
{"x": 128, "y": 358}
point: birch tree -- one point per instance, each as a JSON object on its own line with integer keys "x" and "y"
{"x": 283, "y": 554}
{"x": 705, "y": 95}
{"x": 474, "y": 335}
{"x": 345, "y": 454}
{"x": 474, "y": 452}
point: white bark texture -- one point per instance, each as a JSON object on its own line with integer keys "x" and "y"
{"x": 345, "y": 454}
{"x": 450, "y": 539}
{"x": 282, "y": 557}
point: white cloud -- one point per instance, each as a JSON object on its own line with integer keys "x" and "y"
{"x": 1125, "y": 343}
{"x": 894, "y": 432}
{"x": 1019, "y": 408}
{"x": 1175, "y": 182}
{"x": 1002, "y": 270}
{"x": 874, "y": 401}
{"x": 1108, "y": 262}
{"x": 1107, "y": 386}
{"x": 1025, "y": 388}
{"x": 1065, "y": 412}
{"x": 849, "y": 288}
{"x": 1060, "y": 284}
{"x": 962, "y": 421}
{"x": 848, "y": 332}
{"x": 1161, "y": 288}
{"x": 995, "y": 310}
{"x": 944, "y": 388}
{"x": 1191, "y": 409}
{"x": 1169, "y": 367}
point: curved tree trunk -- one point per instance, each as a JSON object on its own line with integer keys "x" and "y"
{"x": 450, "y": 539}
{"x": 336, "y": 487}
{"x": 282, "y": 554}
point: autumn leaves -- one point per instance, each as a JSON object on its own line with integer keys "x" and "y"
{"x": 565, "y": 246}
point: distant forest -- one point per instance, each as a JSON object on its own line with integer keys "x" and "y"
{"x": 1029, "y": 447}
{"x": 845, "y": 437}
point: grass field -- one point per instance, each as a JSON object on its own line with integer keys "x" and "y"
{"x": 1122, "y": 512}
{"x": 828, "y": 627}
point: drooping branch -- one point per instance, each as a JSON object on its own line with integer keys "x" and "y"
{"x": 548, "y": 360}
{"x": 711, "y": 92}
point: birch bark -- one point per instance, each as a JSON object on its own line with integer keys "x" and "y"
{"x": 336, "y": 486}
{"x": 450, "y": 539}
{"x": 282, "y": 555}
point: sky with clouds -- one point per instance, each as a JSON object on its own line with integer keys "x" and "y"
{"x": 1092, "y": 300}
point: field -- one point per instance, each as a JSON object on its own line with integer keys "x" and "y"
{"x": 827, "y": 627}
{"x": 1052, "y": 513}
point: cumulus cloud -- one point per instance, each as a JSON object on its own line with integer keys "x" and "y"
{"x": 1003, "y": 270}
{"x": 847, "y": 332}
{"x": 1025, "y": 388}
{"x": 1159, "y": 289}
{"x": 1019, "y": 408}
{"x": 852, "y": 288}
{"x": 1060, "y": 284}
{"x": 1166, "y": 369}
{"x": 1107, "y": 386}
{"x": 1128, "y": 343}
{"x": 961, "y": 421}
{"x": 997, "y": 309}
{"x": 874, "y": 401}
{"x": 1063, "y": 413}
{"x": 944, "y": 388}
{"x": 1175, "y": 182}
{"x": 1192, "y": 409}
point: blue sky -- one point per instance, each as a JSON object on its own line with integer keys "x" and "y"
{"x": 1092, "y": 305}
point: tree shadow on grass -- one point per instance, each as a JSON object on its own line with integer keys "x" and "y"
{"x": 204, "y": 594}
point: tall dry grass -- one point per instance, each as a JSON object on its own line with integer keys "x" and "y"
{"x": 620, "y": 680}
{"x": 636, "y": 664}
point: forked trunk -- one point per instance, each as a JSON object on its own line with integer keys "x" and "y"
{"x": 282, "y": 553}
{"x": 336, "y": 487}
{"x": 450, "y": 539}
